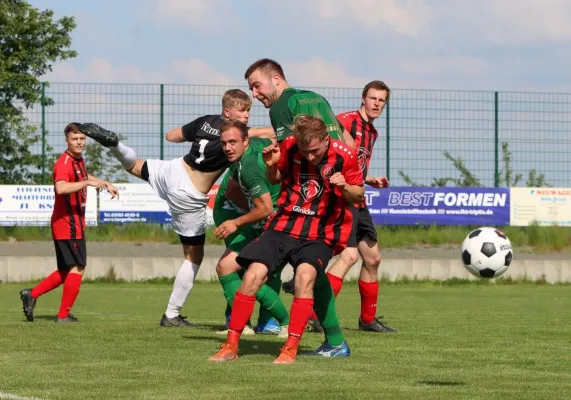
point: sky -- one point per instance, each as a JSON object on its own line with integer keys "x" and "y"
{"x": 507, "y": 45}
{"x": 442, "y": 58}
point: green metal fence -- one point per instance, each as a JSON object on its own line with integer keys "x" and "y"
{"x": 416, "y": 129}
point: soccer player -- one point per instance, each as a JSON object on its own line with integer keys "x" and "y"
{"x": 68, "y": 226}
{"x": 237, "y": 228}
{"x": 319, "y": 178}
{"x": 184, "y": 184}
{"x": 268, "y": 84}
{"x": 363, "y": 240}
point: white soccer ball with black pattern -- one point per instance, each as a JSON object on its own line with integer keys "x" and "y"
{"x": 487, "y": 252}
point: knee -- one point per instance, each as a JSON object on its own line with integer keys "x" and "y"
{"x": 372, "y": 261}
{"x": 253, "y": 281}
{"x": 350, "y": 256}
{"x": 194, "y": 254}
{"x": 305, "y": 281}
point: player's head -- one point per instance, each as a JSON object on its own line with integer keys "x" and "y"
{"x": 234, "y": 139}
{"x": 236, "y": 104}
{"x": 374, "y": 98}
{"x": 312, "y": 137}
{"x": 266, "y": 80}
{"x": 74, "y": 138}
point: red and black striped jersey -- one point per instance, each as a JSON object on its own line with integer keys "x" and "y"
{"x": 309, "y": 207}
{"x": 68, "y": 217}
{"x": 365, "y": 136}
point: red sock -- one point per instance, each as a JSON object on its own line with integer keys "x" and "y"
{"x": 301, "y": 310}
{"x": 55, "y": 279}
{"x": 242, "y": 310}
{"x": 369, "y": 292}
{"x": 70, "y": 291}
{"x": 336, "y": 283}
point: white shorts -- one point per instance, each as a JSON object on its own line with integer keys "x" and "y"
{"x": 187, "y": 205}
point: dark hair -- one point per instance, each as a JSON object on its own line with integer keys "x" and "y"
{"x": 72, "y": 128}
{"x": 232, "y": 123}
{"x": 269, "y": 67}
{"x": 377, "y": 85}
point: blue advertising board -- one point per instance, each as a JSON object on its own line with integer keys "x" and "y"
{"x": 439, "y": 206}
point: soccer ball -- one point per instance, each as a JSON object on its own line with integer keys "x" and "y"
{"x": 487, "y": 252}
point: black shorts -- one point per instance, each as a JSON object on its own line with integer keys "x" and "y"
{"x": 192, "y": 240}
{"x": 70, "y": 253}
{"x": 276, "y": 249}
{"x": 363, "y": 227}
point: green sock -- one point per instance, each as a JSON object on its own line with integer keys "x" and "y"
{"x": 274, "y": 283}
{"x": 324, "y": 306}
{"x": 230, "y": 285}
{"x": 271, "y": 301}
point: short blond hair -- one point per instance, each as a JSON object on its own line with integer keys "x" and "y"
{"x": 305, "y": 128}
{"x": 236, "y": 97}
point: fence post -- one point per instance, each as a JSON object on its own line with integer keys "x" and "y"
{"x": 44, "y": 133}
{"x": 496, "y": 142}
{"x": 388, "y": 144}
{"x": 162, "y": 120}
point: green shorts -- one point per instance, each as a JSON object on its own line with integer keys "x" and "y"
{"x": 243, "y": 235}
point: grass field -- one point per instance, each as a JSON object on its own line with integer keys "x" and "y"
{"x": 463, "y": 341}
{"x": 533, "y": 238}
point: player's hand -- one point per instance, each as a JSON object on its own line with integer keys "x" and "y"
{"x": 96, "y": 183}
{"x": 226, "y": 229}
{"x": 112, "y": 189}
{"x": 379, "y": 182}
{"x": 271, "y": 155}
{"x": 337, "y": 179}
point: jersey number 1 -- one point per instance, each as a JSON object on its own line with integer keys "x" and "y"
{"x": 201, "y": 146}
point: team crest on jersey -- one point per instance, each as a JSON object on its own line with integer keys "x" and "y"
{"x": 362, "y": 157}
{"x": 327, "y": 171}
{"x": 310, "y": 186}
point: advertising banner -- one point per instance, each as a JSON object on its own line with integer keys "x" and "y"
{"x": 33, "y": 205}
{"x": 544, "y": 206}
{"x": 439, "y": 206}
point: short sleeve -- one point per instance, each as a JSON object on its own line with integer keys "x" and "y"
{"x": 189, "y": 130}
{"x": 351, "y": 171}
{"x": 63, "y": 171}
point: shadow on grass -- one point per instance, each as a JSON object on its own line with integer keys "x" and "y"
{"x": 249, "y": 345}
{"x": 441, "y": 383}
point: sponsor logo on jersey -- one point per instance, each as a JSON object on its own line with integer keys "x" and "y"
{"x": 310, "y": 186}
{"x": 210, "y": 130}
{"x": 327, "y": 171}
{"x": 362, "y": 157}
{"x": 305, "y": 211}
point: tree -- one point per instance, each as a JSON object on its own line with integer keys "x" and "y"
{"x": 30, "y": 42}
{"x": 506, "y": 176}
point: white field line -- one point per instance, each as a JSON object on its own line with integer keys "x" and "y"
{"x": 11, "y": 396}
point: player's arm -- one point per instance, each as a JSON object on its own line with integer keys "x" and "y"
{"x": 348, "y": 139}
{"x": 379, "y": 182}
{"x": 235, "y": 195}
{"x": 350, "y": 180}
{"x": 263, "y": 207}
{"x": 266, "y": 132}
{"x": 185, "y": 133}
{"x": 272, "y": 157}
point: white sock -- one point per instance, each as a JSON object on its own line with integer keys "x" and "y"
{"x": 126, "y": 155}
{"x": 183, "y": 283}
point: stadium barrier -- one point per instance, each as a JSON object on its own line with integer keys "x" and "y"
{"x": 32, "y": 205}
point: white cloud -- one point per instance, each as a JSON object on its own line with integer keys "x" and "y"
{"x": 203, "y": 15}
{"x": 508, "y": 21}
{"x": 410, "y": 19}
{"x": 319, "y": 72}
{"x": 423, "y": 66}
{"x": 193, "y": 71}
